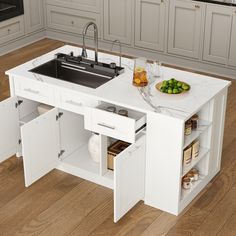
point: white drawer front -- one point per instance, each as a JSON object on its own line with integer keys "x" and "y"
{"x": 75, "y": 102}
{"x": 11, "y": 29}
{"x": 114, "y": 125}
{"x": 84, "y": 5}
{"x": 35, "y": 90}
{"x": 70, "y": 20}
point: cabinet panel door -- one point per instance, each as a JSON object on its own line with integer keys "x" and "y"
{"x": 232, "y": 52}
{"x": 34, "y": 15}
{"x": 217, "y": 34}
{"x": 185, "y": 22}
{"x": 150, "y": 24}
{"x": 9, "y": 128}
{"x": 118, "y": 20}
{"x": 40, "y": 146}
{"x": 129, "y": 168}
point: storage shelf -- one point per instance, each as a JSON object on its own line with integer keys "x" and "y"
{"x": 187, "y": 192}
{"x": 80, "y": 164}
{"x": 29, "y": 117}
{"x": 202, "y": 126}
{"x": 202, "y": 153}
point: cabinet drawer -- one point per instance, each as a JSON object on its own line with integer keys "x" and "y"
{"x": 35, "y": 90}
{"x": 84, "y": 5}
{"x": 113, "y": 125}
{"x": 11, "y": 29}
{"x": 75, "y": 102}
{"x": 70, "y": 20}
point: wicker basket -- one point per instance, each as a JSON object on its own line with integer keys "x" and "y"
{"x": 113, "y": 151}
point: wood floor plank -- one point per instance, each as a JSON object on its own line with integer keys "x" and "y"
{"x": 68, "y": 211}
{"x": 35, "y": 199}
{"x": 229, "y": 229}
{"x": 219, "y": 216}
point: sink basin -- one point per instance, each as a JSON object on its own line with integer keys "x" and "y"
{"x": 79, "y": 70}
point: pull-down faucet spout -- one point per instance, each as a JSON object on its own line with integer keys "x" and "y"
{"x": 95, "y": 28}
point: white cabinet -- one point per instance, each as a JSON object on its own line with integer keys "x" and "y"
{"x": 58, "y": 139}
{"x": 118, "y": 20}
{"x": 217, "y": 34}
{"x": 83, "y": 5}
{"x": 70, "y": 20}
{"x": 11, "y": 29}
{"x": 34, "y": 15}
{"x": 150, "y": 24}
{"x": 185, "y": 24}
{"x": 232, "y": 48}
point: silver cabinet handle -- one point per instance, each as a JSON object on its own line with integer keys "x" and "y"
{"x": 79, "y": 104}
{"x": 197, "y": 6}
{"x": 31, "y": 91}
{"x": 106, "y": 126}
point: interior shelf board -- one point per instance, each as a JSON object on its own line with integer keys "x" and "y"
{"x": 202, "y": 126}
{"x": 202, "y": 154}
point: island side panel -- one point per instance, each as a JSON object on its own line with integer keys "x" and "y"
{"x": 218, "y": 123}
{"x": 164, "y": 151}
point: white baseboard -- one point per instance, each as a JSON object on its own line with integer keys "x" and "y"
{"x": 21, "y": 42}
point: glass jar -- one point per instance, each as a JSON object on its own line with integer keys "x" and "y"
{"x": 140, "y": 76}
{"x": 194, "y": 120}
{"x": 188, "y": 127}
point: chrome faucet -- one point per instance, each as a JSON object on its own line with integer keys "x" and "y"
{"x": 119, "y": 43}
{"x": 95, "y": 28}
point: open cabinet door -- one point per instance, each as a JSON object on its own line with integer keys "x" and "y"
{"x": 9, "y": 128}
{"x": 129, "y": 168}
{"x": 40, "y": 146}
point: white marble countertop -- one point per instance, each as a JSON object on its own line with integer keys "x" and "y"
{"x": 120, "y": 90}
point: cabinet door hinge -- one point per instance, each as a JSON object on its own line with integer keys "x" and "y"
{"x": 18, "y": 103}
{"x": 19, "y": 141}
{"x": 59, "y": 115}
{"x": 61, "y": 153}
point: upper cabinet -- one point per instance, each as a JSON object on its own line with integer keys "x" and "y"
{"x": 150, "y": 24}
{"x": 118, "y": 20}
{"x": 34, "y": 15}
{"x": 217, "y": 34}
{"x": 185, "y": 27}
{"x": 232, "y": 51}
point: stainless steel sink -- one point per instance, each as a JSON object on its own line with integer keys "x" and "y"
{"x": 79, "y": 70}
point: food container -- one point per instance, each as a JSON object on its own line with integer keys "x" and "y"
{"x": 190, "y": 175}
{"x": 114, "y": 150}
{"x": 194, "y": 121}
{"x": 186, "y": 183}
{"x": 195, "y": 149}
{"x": 188, "y": 127}
{"x": 195, "y": 174}
{"x": 123, "y": 112}
{"x": 187, "y": 156}
{"x": 111, "y": 109}
{"x": 140, "y": 76}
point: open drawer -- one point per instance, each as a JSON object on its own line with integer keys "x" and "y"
{"x": 101, "y": 121}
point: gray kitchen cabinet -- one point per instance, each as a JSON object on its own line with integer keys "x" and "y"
{"x": 11, "y": 29}
{"x": 34, "y": 15}
{"x": 118, "y": 20}
{"x": 70, "y": 20}
{"x": 232, "y": 51}
{"x": 150, "y": 24}
{"x": 83, "y": 5}
{"x": 217, "y": 34}
{"x": 185, "y": 27}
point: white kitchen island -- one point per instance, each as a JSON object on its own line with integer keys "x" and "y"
{"x": 151, "y": 168}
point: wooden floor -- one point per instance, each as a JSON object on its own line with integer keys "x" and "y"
{"x": 60, "y": 204}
